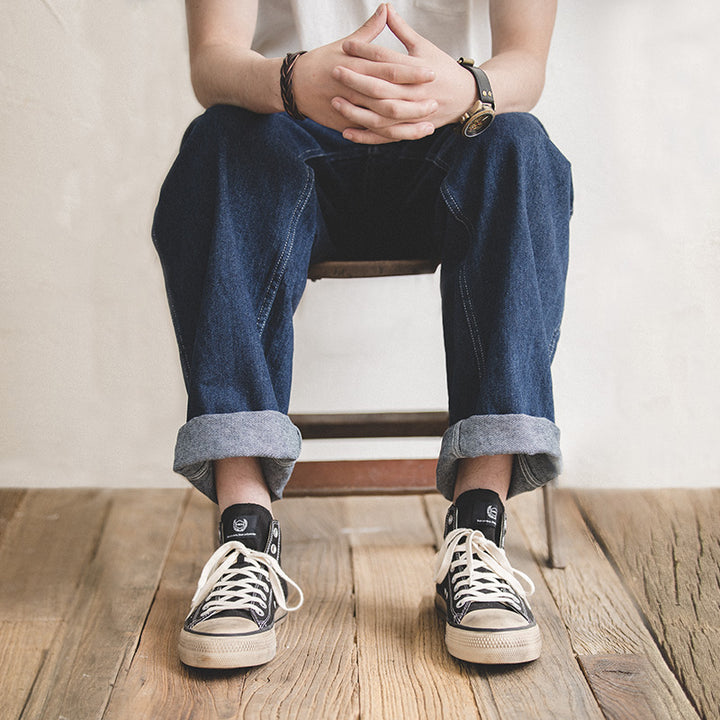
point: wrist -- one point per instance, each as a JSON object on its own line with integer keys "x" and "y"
{"x": 468, "y": 94}
{"x": 271, "y": 71}
{"x": 262, "y": 74}
{"x": 287, "y": 92}
{"x": 479, "y": 117}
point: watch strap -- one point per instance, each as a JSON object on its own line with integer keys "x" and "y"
{"x": 485, "y": 93}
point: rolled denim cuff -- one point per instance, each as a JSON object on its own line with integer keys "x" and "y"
{"x": 534, "y": 441}
{"x": 264, "y": 434}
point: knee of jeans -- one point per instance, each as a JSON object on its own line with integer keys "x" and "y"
{"x": 218, "y": 124}
{"x": 266, "y": 140}
{"x": 516, "y": 128}
{"x": 519, "y": 140}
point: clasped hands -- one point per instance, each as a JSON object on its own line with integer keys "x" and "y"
{"x": 376, "y": 95}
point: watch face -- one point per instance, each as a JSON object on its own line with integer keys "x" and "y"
{"x": 478, "y": 122}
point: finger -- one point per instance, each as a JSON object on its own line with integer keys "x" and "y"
{"x": 402, "y": 31}
{"x": 373, "y": 87}
{"x": 373, "y": 26}
{"x": 365, "y": 137}
{"x": 387, "y": 64}
{"x": 394, "y": 133}
{"x": 378, "y": 114}
{"x": 376, "y": 53}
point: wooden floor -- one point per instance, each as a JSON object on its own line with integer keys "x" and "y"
{"x": 94, "y": 585}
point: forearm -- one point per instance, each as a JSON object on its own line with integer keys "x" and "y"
{"x": 521, "y": 34}
{"x": 517, "y": 78}
{"x": 233, "y": 75}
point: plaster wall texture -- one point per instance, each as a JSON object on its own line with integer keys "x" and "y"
{"x": 95, "y": 99}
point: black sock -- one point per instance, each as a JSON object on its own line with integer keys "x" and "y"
{"x": 247, "y": 523}
{"x": 482, "y": 510}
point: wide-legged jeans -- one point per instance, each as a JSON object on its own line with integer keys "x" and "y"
{"x": 252, "y": 199}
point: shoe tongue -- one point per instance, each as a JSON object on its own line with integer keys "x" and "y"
{"x": 246, "y": 523}
{"x": 482, "y": 510}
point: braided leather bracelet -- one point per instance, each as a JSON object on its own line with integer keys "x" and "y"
{"x": 286, "y": 88}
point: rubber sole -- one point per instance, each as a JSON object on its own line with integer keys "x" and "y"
{"x": 494, "y": 647}
{"x": 226, "y": 651}
{"x": 491, "y": 647}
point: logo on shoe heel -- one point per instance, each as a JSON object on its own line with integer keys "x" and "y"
{"x": 240, "y": 524}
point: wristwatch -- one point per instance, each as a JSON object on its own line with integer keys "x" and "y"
{"x": 482, "y": 112}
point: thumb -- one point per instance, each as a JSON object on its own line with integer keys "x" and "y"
{"x": 402, "y": 31}
{"x": 373, "y": 26}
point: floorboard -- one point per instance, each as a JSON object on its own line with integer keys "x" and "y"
{"x": 601, "y": 617}
{"x": 155, "y": 684}
{"x": 666, "y": 547}
{"x": 48, "y": 541}
{"x": 108, "y": 613}
{"x": 400, "y": 645}
{"x": 96, "y": 584}
{"x": 11, "y": 499}
{"x": 315, "y": 672}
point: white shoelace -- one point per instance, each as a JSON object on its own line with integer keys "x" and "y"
{"x": 475, "y": 553}
{"x": 228, "y": 588}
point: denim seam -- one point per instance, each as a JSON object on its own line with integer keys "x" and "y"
{"x": 456, "y": 212}
{"x": 281, "y": 264}
{"x": 184, "y": 361}
{"x": 472, "y": 323}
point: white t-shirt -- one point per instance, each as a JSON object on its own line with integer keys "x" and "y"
{"x": 459, "y": 27}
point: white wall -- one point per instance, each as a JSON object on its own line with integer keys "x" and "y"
{"x": 95, "y": 98}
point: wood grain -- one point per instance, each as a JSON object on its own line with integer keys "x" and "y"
{"x": 385, "y": 521}
{"x": 47, "y": 542}
{"x": 316, "y": 426}
{"x": 153, "y": 683}
{"x": 620, "y": 684}
{"x": 23, "y": 646}
{"x": 315, "y": 672}
{"x": 600, "y": 617}
{"x": 80, "y": 569}
{"x": 552, "y": 686}
{"x": 112, "y": 599}
{"x": 666, "y": 546}
{"x": 9, "y": 501}
{"x": 346, "y": 477}
{"x": 370, "y": 268}
{"x": 404, "y": 669}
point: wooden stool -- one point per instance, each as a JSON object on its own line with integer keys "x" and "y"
{"x": 347, "y": 477}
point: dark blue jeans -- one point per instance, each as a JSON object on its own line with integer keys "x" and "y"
{"x": 252, "y": 199}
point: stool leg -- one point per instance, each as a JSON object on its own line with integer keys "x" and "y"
{"x": 555, "y": 558}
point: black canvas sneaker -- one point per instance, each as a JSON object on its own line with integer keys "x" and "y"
{"x": 488, "y": 619}
{"x": 240, "y": 596}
